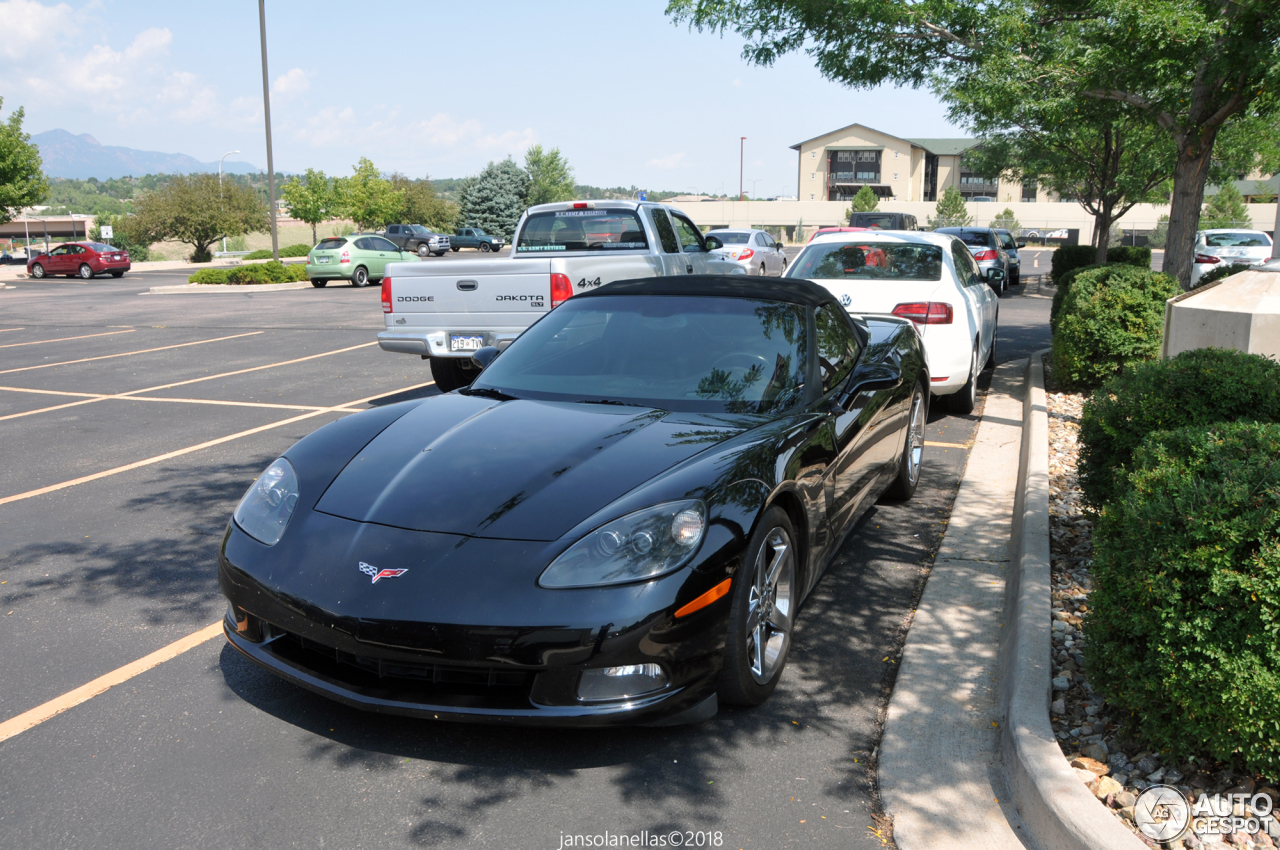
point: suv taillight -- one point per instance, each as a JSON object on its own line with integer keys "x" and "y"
{"x": 561, "y": 289}
{"x": 386, "y": 295}
{"x": 1207, "y": 258}
{"x": 988, "y": 254}
{"x": 925, "y": 312}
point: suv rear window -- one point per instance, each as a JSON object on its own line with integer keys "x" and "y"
{"x": 581, "y": 230}
{"x": 869, "y": 260}
{"x": 881, "y": 221}
{"x": 330, "y": 244}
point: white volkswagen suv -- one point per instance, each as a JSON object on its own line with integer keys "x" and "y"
{"x": 929, "y": 278}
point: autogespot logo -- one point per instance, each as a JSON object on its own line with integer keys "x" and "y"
{"x": 1162, "y": 813}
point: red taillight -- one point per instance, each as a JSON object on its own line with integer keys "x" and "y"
{"x": 747, "y": 254}
{"x": 926, "y": 312}
{"x": 346, "y": 257}
{"x": 386, "y": 295}
{"x": 580, "y": 206}
{"x": 561, "y": 289}
{"x": 1206, "y": 258}
{"x": 985, "y": 255}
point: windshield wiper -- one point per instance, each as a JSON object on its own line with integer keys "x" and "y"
{"x": 611, "y": 401}
{"x": 486, "y": 392}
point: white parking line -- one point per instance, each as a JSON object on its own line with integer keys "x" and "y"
{"x": 65, "y": 339}
{"x": 127, "y": 353}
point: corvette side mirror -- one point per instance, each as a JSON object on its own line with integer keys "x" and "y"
{"x": 883, "y": 376}
{"x": 484, "y": 356}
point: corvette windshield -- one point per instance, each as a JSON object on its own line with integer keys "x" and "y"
{"x": 869, "y": 260}
{"x": 722, "y": 355}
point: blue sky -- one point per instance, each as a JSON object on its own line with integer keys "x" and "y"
{"x": 434, "y": 88}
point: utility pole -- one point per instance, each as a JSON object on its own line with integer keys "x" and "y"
{"x": 224, "y": 156}
{"x": 742, "y": 146}
{"x": 266, "y": 108}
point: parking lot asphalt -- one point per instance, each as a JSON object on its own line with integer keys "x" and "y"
{"x": 132, "y": 423}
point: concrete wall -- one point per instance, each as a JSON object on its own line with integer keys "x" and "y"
{"x": 1051, "y": 215}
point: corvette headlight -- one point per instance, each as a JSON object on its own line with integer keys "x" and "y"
{"x": 265, "y": 509}
{"x": 638, "y": 546}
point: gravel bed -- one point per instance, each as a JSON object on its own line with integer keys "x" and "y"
{"x": 1114, "y": 769}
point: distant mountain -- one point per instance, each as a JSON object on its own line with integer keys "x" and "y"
{"x": 82, "y": 157}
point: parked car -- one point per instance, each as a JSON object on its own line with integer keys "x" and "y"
{"x": 617, "y": 523}
{"x": 756, "y": 251}
{"x": 445, "y": 311}
{"x": 823, "y": 231}
{"x": 1011, "y": 247}
{"x": 359, "y": 258}
{"x": 80, "y": 259}
{"x": 1224, "y": 245}
{"x": 474, "y": 237}
{"x": 883, "y": 220}
{"x": 929, "y": 278}
{"x": 985, "y": 245}
{"x": 416, "y": 238}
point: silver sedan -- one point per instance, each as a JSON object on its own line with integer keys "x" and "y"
{"x": 756, "y": 251}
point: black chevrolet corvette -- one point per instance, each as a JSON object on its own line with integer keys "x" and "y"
{"x": 615, "y": 523}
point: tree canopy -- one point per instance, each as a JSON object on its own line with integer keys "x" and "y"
{"x": 864, "y": 201}
{"x": 951, "y": 211}
{"x": 1226, "y": 209}
{"x": 22, "y": 181}
{"x": 309, "y": 199}
{"x": 366, "y": 197}
{"x": 496, "y": 200}
{"x": 194, "y": 209}
{"x": 420, "y": 205}
{"x": 550, "y": 177}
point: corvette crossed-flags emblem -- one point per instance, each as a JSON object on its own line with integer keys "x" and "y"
{"x": 375, "y": 573}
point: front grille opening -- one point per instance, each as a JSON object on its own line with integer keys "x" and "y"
{"x": 439, "y": 684}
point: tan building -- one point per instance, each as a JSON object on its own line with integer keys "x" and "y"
{"x": 834, "y": 166}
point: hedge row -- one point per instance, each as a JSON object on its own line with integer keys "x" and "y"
{"x": 272, "y": 272}
{"x": 299, "y": 250}
{"x": 1070, "y": 257}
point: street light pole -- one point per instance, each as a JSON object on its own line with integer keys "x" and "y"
{"x": 753, "y": 186}
{"x": 266, "y": 108}
{"x": 742, "y": 146}
{"x": 224, "y": 156}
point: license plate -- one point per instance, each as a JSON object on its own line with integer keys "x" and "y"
{"x": 465, "y": 342}
{"x": 322, "y": 259}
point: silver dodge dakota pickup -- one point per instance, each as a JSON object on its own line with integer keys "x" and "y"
{"x": 444, "y": 312}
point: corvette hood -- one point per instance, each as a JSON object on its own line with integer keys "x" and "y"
{"x": 515, "y": 470}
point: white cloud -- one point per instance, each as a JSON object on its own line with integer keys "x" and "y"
{"x": 27, "y": 25}
{"x": 294, "y": 82}
{"x": 671, "y": 161}
{"x": 738, "y": 83}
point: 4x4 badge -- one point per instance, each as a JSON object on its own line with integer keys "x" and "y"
{"x": 375, "y": 573}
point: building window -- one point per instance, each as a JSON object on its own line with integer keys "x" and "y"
{"x": 811, "y": 196}
{"x": 1029, "y": 187}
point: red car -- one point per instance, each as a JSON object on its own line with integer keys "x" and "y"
{"x": 84, "y": 259}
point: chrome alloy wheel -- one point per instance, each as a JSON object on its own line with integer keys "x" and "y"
{"x": 915, "y": 436}
{"x": 770, "y": 605}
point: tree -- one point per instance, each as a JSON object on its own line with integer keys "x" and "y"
{"x": 420, "y": 205}
{"x": 865, "y": 201}
{"x": 1263, "y": 193}
{"x": 194, "y": 209}
{"x": 309, "y": 199}
{"x": 1188, "y": 67}
{"x": 1007, "y": 221}
{"x": 951, "y": 210}
{"x": 496, "y": 200}
{"x": 366, "y": 198}
{"x": 22, "y": 182}
{"x": 138, "y": 251}
{"x": 1226, "y": 209}
{"x": 550, "y": 177}
{"x": 1160, "y": 234}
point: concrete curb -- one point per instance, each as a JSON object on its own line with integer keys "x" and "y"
{"x": 1058, "y": 810}
{"x": 192, "y": 288}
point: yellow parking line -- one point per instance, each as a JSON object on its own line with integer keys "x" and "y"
{"x": 128, "y": 353}
{"x": 106, "y": 473}
{"x": 66, "y": 338}
{"x": 3, "y": 330}
{"x": 52, "y": 392}
{"x": 946, "y": 445}
{"x": 84, "y": 693}
{"x": 262, "y": 404}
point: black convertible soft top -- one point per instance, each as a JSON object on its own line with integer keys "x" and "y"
{"x": 792, "y": 290}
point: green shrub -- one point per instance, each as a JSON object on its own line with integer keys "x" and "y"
{"x": 255, "y": 274}
{"x": 299, "y": 250}
{"x": 1060, "y": 292}
{"x": 1070, "y": 257}
{"x": 1203, "y": 387}
{"x": 1111, "y": 317}
{"x": 1220, "y": 271}
{"x": 1130, "y": 255}
{"x": 1184, "y": 632}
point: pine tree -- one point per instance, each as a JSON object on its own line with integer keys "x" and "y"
{"x": 1225, "y": 209}
{"x": 496, "y": 200}
{"x": 1007, "y": 221}
{"x": 864, "y": 201}
{"x": 951, "y": 210}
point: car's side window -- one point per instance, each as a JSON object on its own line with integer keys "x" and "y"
{"x": 690, "y": 235}
{"x": 1007, "y": 241}
{"x": 363, "y": 244}
{"x": 393, "y": 229}
{"x": 963, "y": 260}
{"x": 666, "y": 233}
{"x": 761, "y": 240}
{"x": 381, "y": 244}
{"x": 838, "y": 347}
{"x": 57, "y": 252}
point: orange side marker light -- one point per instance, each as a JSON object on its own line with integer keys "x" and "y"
{"x": 705, "y": 599}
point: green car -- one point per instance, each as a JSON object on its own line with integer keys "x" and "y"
{"x": 359, "y": 258}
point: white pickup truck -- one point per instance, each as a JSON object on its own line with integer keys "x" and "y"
{"x": 444, "y": 312}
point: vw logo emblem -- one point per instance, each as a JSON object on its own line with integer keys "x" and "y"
{"x": 846, "y": 299}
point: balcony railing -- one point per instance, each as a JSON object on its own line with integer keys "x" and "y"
{"x": 852, "y": 178}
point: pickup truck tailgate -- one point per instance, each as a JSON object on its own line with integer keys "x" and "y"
{"x": 484, "y": 286}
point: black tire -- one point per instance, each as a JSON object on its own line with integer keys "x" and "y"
{"x": 449, "y": 374}
{"x": 360, "y": 277}
{"x": 762, "y": 270}
{"x": 991, "y": 356}
{"x": 319, "y": 284}
{"x": 1016, "y": 279}
{"x": 453, "y": 249}
{"x": 966, "y": 398}
{"x": 904, "y": 483}
{"x": 37, "y": 271}
{"x": 117, "y": 274}
{"x": 85, "y": 271}
{"x": 485, "y": 247}
{"x": 748, "y": 676}
{"x": 437, "y": 253}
